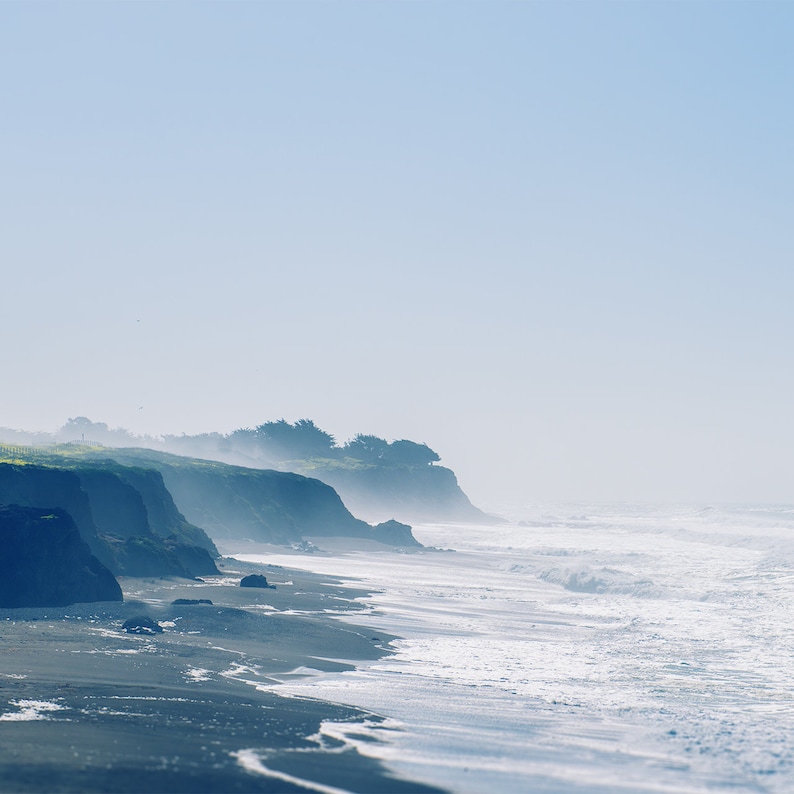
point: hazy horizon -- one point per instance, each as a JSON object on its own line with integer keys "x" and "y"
{"x": 550, "y": 240}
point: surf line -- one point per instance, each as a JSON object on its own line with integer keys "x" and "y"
{"x": 249, "y": 760}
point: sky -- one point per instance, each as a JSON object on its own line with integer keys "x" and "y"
{"x": 551, "y": 240}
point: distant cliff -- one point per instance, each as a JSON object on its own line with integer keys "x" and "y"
{"x": 377, "y": 479}
{"x": 416, "y": 493}
{"x": 264, "y": 505}
{"x": 45, "y": 563}
{"x": 147, "y": 513}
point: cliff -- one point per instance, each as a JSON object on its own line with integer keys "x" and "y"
{"x": 111, "y": 515}
{"x": 376, "y": 478}
{"x": 416, "y": 493}
{"x": 34, "y": 486}
{"x": 128, "y": 501}
{"x": 260, "y": 504}
{"x": 46, "y": 563}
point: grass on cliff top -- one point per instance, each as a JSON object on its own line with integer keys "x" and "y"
{"x": 71, "y": 455}
{"x": 49, "y": 455}
{"x": 66, "y": 456}
{"x": 326, "y": 464}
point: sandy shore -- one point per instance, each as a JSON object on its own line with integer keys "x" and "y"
{"x": 86, "y": 707}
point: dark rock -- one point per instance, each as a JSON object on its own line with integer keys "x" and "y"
{"x": 256, "y": 580}
{"x": 32, "y": 486}
{"x": 180, "y": 602}
{"x": 395, "y": 534}
{"x": 194, "y": 559}
{"x": 142, "y": 624}
{"x": 147, "y": 555}
{"x": 45, "y": 563}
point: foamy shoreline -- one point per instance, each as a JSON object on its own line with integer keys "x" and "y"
{"x": 86, "y": 707}
{"x": 589, "y": 649}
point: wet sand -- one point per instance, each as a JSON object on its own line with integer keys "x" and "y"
{"x": 86, "y": 707}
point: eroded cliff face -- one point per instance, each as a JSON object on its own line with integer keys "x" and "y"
{"x": 136, "y": 515}
{"x": 45, "y": 562}
{"x": 111, "y": 515}
{"x": 260, "y": 504}
{"x": 421, "y": 493}
{"x": 277, "y": 507}
{"x": 165, "y": 519}
{"x": 146, "y": 512}
{"x": 41, "y": 486}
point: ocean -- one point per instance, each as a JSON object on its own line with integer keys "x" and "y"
{"x": 587, "y": 648}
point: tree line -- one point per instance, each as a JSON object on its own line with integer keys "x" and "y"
{"x": 272, "y": 441}
{"x": 303, "y": 440}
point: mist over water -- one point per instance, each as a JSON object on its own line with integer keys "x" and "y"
{"x": 595, "y": 647}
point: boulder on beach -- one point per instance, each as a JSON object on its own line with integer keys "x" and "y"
{"x": 256, "y": 580}
{"x": 395, "y": 534}
{"x": 142, "y": 624}
{"x": 182, "y": 602}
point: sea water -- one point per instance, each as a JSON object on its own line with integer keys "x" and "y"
{"x": 588, "y": 648}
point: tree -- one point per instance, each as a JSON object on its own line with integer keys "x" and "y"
{"x": 366, "y": 448}
{"x": 78, "y": 425}
{"x": 284, "y": 441}
{"x": 409, "y": 453}
{"x": 81, "y": 428}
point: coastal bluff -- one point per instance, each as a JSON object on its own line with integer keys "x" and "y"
{"x": 45, "y": 563}
{"x": 127, "y": 518}
{"x": 264, "y": 505}
{"x": 149, "y": 513}
{"x": 416, "y": 493}
{"x": 376, "y": 479}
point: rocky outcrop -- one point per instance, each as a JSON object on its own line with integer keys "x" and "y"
{"x": 194, "y": 559}
{"x": 44, "y": 561}
{"x": 141, "y": 624}
{"x": 395, "y": 534}
{"x": 189, "y": 602}
{"x": 256, "y": 580}
{"x": 146, "y": 555}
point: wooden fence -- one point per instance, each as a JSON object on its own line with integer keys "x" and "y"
{"x": 24, "y": 451}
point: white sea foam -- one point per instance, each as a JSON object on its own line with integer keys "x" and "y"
{"x": 251, "y": 762}
{"x": 198, "y": 674}
{"x": 596, "y": 648}
{"x": 28, "y": 710}
{"x": 299, "y": 671}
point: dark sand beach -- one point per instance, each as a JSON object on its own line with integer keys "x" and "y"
{"x": 85, "y": 706}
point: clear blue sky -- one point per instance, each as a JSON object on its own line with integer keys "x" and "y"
{"x": 552, "y": 240}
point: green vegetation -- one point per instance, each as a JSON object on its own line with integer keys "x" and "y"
{"x": 376, "y": 478}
